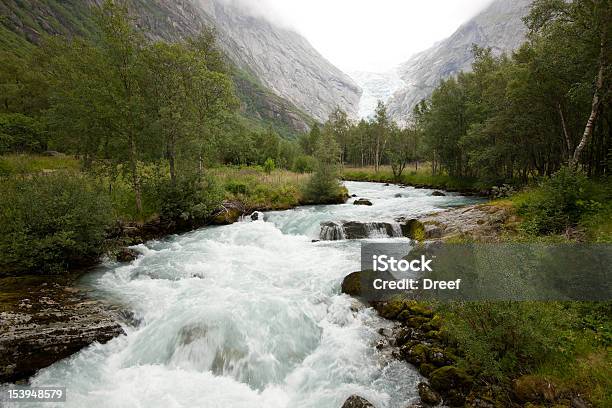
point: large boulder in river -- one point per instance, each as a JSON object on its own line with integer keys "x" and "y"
{"x": 229, "y": 213}
{"x": 43, "y": 321}
{"x": 333, "y": 231}
{"x": 351, "y": 284}
{"x": 361, "y": 230}
{"x": 438, "y": 194}
{"x": 360, "y": 284}
{"x": 362, "y": 201}
{"x": 355, "y": 401}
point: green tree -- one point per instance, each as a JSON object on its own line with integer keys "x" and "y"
{"x": 324, "y": 186}
{"x": 402, "y": 149}
{"x": 269, "y": 166}
{"x": 381, "y": 125}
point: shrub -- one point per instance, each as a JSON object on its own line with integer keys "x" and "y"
{"x": 237, "y": 186}
{"x": 304, "y": 164}
{"x": 269, "y": 166}
{"x": 324, "y": 186}
{"x": 20, "y": 133}
{"x": 192, "y": 199}
{"x": 51, "y": 223}
{"x": 558, "y": 203}
{"x": 503, "y": 339}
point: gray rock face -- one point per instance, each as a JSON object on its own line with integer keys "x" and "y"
{"x": 499, "y": 26}
{"x": 42, "y": 322}
{"x": 281, "y": 59}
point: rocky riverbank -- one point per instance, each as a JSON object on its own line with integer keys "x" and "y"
{"x": 481, "y": 222}
{"x": 420, "y": 338}
{"x": 44, "y": 319}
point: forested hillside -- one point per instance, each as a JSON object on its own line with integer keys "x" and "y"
{"x": 25, "y": 24}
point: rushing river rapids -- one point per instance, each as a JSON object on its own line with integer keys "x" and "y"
{"x": 246, "y": 315}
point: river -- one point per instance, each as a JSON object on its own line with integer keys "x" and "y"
{"x": 246, "y": 315}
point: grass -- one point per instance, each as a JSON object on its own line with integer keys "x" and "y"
{"x": 22, "y": 164}
{"x": 421, "y": 177}
{"x": 281, "y": 189}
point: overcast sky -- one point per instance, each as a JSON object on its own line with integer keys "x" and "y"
{"x": 373, "y": 35}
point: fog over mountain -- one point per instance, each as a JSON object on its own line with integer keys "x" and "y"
{"x": 281, "y": 58}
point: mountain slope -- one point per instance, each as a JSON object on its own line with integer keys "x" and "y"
{"x": 283, "y": 60}
{"x": 499, "y": 26}
{"x": 281, "y": 80}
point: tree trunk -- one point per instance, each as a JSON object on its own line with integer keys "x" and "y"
{"x": 588, "y": 130}
{"x": 568, "y": 142}
{"x": 135, "y": 178}
{"x": 171, "y": 155}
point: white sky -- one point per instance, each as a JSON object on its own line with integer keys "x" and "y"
{"x": 372, "y": 35}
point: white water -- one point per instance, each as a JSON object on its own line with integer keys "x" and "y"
{"x": 246, "y": 315}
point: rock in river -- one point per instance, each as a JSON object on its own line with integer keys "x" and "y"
{"x": 43, "y": 321}
{"x": 127, "y": 255}
{"x": 362, "y": 201}
{"x": 337, "y": 230}
{"x": 438, "y": 194}
{"x": 355, "y": 401}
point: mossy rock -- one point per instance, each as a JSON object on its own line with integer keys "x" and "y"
{"x": 416, "y": 354}
{"x": 391, "y": 308}
{"x": 450, "y": 377}
{"x": 405, "y": 338}
{"x": 434, "y": 334}
{"x": 434, "y": 324}
{"x": 534, "y": 388}
{"x": 413, "y": 229}
{"x": 416, "y": 321}
{"x": 420, "y": 310}
{"x": 351, "y": 284}
{"x": 426, "y": 368}
{"x": 229, "y": 216}
{"x": 439, "y": 357}
{"x": 427, "y": 395}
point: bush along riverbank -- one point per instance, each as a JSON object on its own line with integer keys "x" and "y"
{"x": 504, "y": 353}
{"x": 66, "y": 220}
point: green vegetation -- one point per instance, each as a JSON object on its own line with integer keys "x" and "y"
{"x": 508, "y": 342}
{"x": 323, "y": 185}
{"x": 50, "y": 223}
{"x": 421, "y": 177}
{"x": 153, "y": 126}
{"x": 565, "y": 200}
{"x": 252, "y": 186}
{"x": 534, "y": 346}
